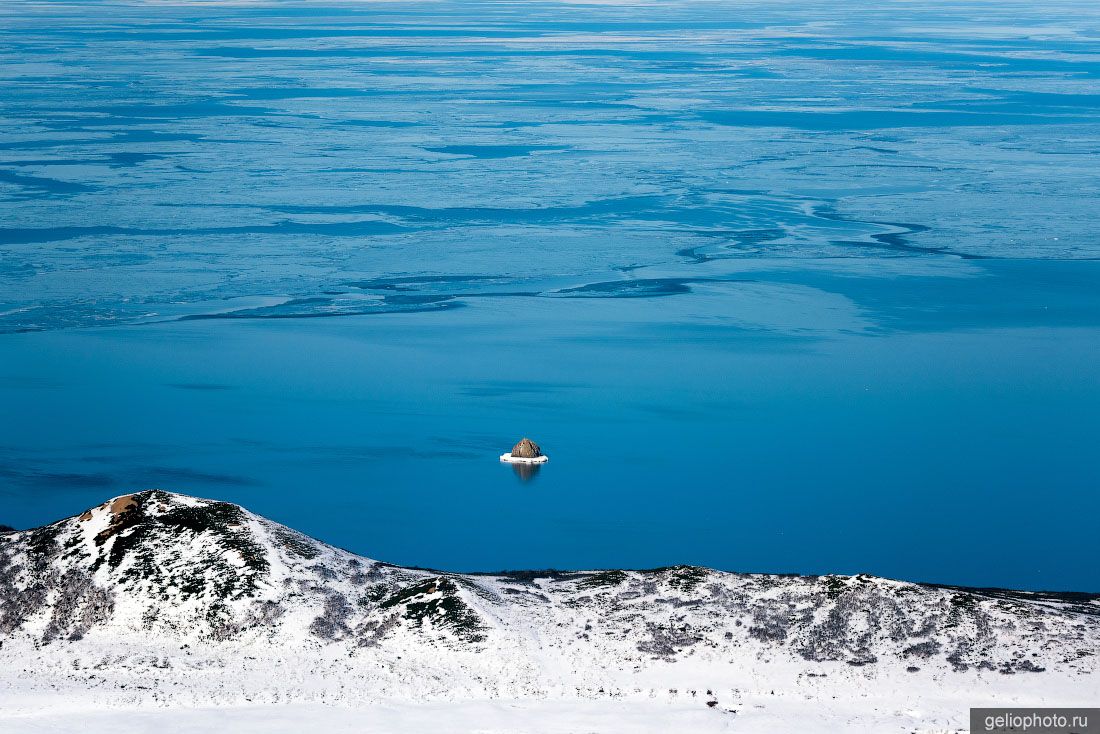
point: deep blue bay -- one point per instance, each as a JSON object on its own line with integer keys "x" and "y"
{"x": 778, "y": 287}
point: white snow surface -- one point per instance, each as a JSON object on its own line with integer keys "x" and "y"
{"x": 509, "y": 459}
{"x": 160, "y": 612}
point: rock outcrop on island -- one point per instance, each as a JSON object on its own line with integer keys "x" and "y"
{"x": 526, "y": 449}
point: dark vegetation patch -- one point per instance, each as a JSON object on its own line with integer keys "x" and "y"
{"x": 961, "y": 606}
{"x": 438, "y": 600}
{"x": 17, "y": 603}
{"x": 79, "y": 606}
{"x": 374, "y": 594}
{"x": 296, "y": 543}
{"x": 856, "y": 622}
{"x": 860, "y": 662}
{"x": 331, "y": 624}
{"x": 220, "y": 621}
{"x": 602, "y": 579}
{"x": 429, "y": 586}
{"x": 265, "y": 613}
{"x": 529, "y": 577}
{"x": 1029, "y": 667}
{"x": 924, "y": 649}
{"x": 75, "y": 604}
{"x": 665, "y": 640}
{"x": 834, "y": 586}
{"x": 41, "y": 544}
{"x": 769, "y": 625}
{"x": 527, "y": 594}
{"x": 964, "y": 601}
{"x": 683, "y": 578}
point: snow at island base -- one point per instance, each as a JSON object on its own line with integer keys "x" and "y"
{"x": 509, "y": 459}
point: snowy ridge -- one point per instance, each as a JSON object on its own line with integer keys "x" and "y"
{"x": 158, "y": 598}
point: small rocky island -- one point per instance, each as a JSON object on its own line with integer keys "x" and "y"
{"x": 525, "y": 452}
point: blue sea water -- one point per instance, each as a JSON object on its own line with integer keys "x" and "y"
{"x": 786, "y": 287}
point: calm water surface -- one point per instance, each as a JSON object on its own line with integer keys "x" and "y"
{"x": 778, "y": 286}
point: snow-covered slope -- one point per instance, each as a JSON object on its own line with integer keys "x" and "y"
{"x": 158, "y": 598}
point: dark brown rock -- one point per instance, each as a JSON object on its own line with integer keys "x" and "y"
{"x": 526, "y": 449}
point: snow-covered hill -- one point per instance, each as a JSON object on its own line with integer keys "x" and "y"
{"x": 162, "y": 599}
